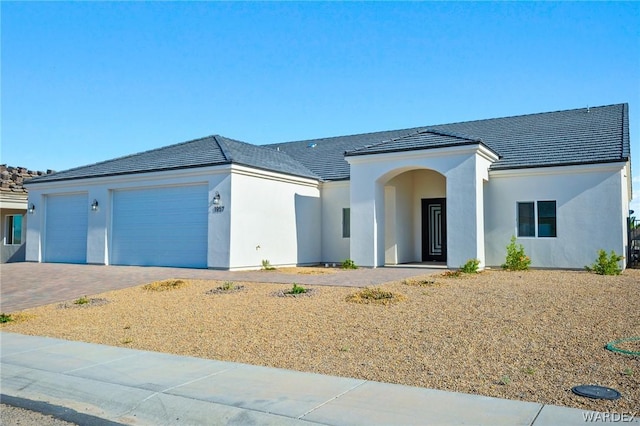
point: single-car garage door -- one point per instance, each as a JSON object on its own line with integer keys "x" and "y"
{"x": 160, "y": 226}
{"x": 65, "y": 237}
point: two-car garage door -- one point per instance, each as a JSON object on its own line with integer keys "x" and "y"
{"x": 160, "y": 226}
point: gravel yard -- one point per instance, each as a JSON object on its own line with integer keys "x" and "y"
{"x": 519, "y": 335}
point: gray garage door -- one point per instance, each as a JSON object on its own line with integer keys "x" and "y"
{"x": 65, "y": 237}
{"x": 160, "y": 226}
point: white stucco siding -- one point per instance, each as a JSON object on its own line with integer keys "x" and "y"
{"x": 335, "y": 197}
{"x": 274, "y": 217}
{"x": 588, "y": 211}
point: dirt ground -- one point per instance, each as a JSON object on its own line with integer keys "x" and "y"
{"x": 519, "y": 335}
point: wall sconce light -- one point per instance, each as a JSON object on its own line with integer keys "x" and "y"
{"x": 32, "y": 208}
{"x": 216, "y": 199}
{"x": 94, "y": 205}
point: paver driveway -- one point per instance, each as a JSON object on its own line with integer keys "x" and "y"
{"x": 27, "y": 285}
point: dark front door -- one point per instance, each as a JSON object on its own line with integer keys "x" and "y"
{"x": 434, "y": 229}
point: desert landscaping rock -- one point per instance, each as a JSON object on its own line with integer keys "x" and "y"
{"x": 91, "y": 302}
{"x": 520, "y": 335}
{"x": 222, "y": 290}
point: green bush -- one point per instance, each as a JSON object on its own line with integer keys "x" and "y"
{"x": 349, "y": 264}
{"x": 4, "y": 318}
{"x": 266, "y": 265}
{"x": 297, "y": 289}
{"x": 471, "y": 267}
{"x": 517, "y": 259}
{"x": 228, "y": 286}
{"x": 606, "y": 265}
{"x": 82, "y": 300}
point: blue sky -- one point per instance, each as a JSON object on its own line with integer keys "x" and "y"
{"x": 88, "y": 81}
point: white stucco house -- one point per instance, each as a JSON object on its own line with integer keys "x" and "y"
{"x": 559, "y": 181}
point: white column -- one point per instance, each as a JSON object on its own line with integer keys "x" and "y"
{"x": 219, "y": 229}
{"x": 367, "y": 221}
{"x": 465, "y": 212}
{"x": 97, "y": 225}
{"x": 35, "y": 226}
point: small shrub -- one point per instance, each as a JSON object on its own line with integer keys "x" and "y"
{"x": 451, "y": 274}
{"x": 471, "y": 267}
{"x": 349, "y": 264}
{"x": 375, "y": 295}
{"x": 606, "y": 265}
{"x": 4, "y": 318}
{"x": 517, "y": 260}
{"x": 505, "y": 380}
{"x": 164, "y": 285}
{"x": 228, "y": 286}
{"x": 81, "y": 301}
{"x": 266, "y": 265}
{"x": 297, "y": 289}
{"x": 420, "y": 282}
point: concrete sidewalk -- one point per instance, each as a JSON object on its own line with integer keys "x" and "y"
{"x": 148, "y": 388}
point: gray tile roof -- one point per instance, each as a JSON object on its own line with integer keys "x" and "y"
{"x": 578, "y": 136}
{"x": 207, "y": 151}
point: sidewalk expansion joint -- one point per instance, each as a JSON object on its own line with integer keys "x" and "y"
{"x": 537, "y": 414}
{"x": 32, "y": 350}
{"x": 100, "y": 363}
{"x": 332, "y": 399}
{"x": 154, "y": 394}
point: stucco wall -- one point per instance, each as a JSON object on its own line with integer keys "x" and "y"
{"x": 589, "y": 213}
{"x": 274, "y": 219}
{"x": 335, "y": 197}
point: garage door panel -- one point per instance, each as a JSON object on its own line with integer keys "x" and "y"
{"x": 160, "y": 226}
{"x": 66, "y": 228}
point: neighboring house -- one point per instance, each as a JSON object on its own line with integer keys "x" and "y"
{"x": 13, "y": 206}
{"x": 442, "y": 194}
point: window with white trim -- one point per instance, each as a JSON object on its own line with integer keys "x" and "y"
{"x": 346, "y": 223}
{"x": 13, "y": 230}
{"x": 537, "y": 219}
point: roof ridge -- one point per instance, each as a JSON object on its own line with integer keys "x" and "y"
{"x": 409, "y": 129}
{"x": 526, "y": 115}
{"x": 624, "y": 140}
{"x": 452, "y": 134}
{"x": 223, "y": 147}
{"x": 418, "y": 132}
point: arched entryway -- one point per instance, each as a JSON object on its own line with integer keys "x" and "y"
{"x": 415, "y": 216}
{"x": 404, "y": 178}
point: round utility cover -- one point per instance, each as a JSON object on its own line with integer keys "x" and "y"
{"x": 596, "y": 392}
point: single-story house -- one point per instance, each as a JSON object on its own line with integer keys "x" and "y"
{"x": 13, "y": 209}
{"x": 443, "y": 194}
